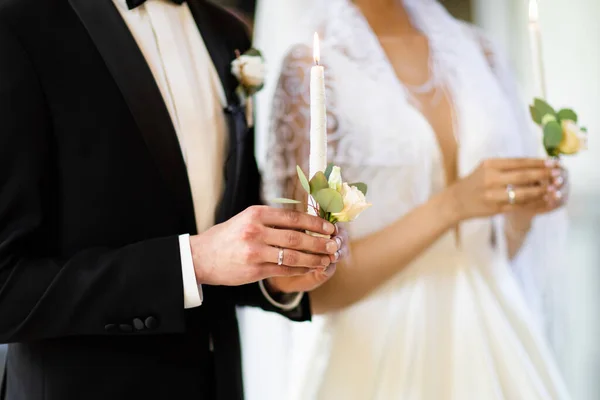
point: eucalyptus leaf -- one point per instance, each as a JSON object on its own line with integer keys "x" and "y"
{"x": 285, "y": 201}
{"x": 535, "y": 115}
{"x": 330, "y": 200}
{"x": 553, "y": 135}
{"x": 543, "y": 107}
{"x": 322, "y": 213}
{"x": 567, "y": 114}
{"x": 548, "y": 118}
{"x": 303, "y": 180}
{"x": 318, "y": 182}
{"x": 328, "y": 170}
{"x": 360, "y": 186}
{"x": 583, "y": 129}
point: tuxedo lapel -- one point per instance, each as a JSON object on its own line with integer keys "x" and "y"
{"x": 136, "y": 82}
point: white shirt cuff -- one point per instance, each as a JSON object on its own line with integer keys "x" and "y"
{"x": 288, "y": 306}
{"x": 192, "y": 291}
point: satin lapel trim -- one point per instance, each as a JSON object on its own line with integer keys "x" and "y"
{"x": 136, "y": 82}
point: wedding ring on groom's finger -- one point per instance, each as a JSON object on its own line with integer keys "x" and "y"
{"x": 280, "y": 257}
{"x": 512, "y": 195}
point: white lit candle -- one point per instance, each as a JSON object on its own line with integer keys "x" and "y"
{"x": 318, "y": 119}
{"x": 318, "y": 115}
{"x": 535, "y": 39}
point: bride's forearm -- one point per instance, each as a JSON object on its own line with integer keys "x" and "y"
{"x": 381, "y": 255}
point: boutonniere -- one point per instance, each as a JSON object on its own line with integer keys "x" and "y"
{"x": 562, "y": 134}
{"x": 249, "y": 69}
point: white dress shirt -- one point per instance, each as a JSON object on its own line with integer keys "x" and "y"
{"x": 168, "y": 37}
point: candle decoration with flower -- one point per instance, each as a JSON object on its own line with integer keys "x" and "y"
{"x": 561, "y": 132}
{"x": 328, "y": 195}
{"x": 334, "y": 199}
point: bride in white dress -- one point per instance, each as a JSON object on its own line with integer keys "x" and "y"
{"x": 429, "y": 306}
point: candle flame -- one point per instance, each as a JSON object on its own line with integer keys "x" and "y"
{"x": 533, "y": 11}
{"x": 316, "y": 49}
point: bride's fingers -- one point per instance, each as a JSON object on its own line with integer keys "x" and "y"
{"x": 508, "y": 164}
{"x": 560, "y": 180}
{"x": 530, "y": 176}
{"x": 550, "y": 202}
{"x": 327, "y": 273}
{"x": 523, "y": 195}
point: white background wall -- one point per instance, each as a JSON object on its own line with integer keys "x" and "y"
{"x": 571, "y": 43}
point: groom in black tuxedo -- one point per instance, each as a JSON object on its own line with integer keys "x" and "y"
{"x": 113, "y": 116}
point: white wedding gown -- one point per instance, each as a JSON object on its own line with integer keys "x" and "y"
{"x": 454, "y": 324}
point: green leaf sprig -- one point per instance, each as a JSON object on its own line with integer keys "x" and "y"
{"x": 554, "y": 134}
{"x": 328, "y": 200}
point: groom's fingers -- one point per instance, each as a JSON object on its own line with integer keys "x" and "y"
{"x": 270, "y": 270}
{"x": 294, "y": 220}
{"x": 299, "y": 241}
{"x": 293, "y": 258}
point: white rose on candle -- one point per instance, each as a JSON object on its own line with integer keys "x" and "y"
{"x": 335, "y": 179}
{"x": 574, "y": 139}
{"x": 250, "y": 70}
{"x": 354, "y": 204}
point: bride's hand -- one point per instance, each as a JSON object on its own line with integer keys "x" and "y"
{"x": 312, "y": 280}
{"x": 486, "y": 191}
{"x": 556, "y": 198}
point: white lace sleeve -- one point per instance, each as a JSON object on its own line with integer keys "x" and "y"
{"x": 540, "y": 264}
{"x": 288, "y": 142}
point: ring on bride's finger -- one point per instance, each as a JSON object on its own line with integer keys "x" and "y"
{"x": 512, "y": 195}
{"x": 280, "y": 257}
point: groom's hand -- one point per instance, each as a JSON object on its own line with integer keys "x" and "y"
{"x": 313, "y": 279}
{"x": 246, "y": 248}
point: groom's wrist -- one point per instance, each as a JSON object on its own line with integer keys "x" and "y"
{"x": 196, "y": 243}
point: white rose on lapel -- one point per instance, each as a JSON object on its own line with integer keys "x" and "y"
{"x": 250, "y": 70}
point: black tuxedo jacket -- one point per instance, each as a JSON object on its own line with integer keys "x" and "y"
{"x": 94, "y": 194}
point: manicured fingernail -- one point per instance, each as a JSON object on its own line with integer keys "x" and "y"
{"x": 338, "y": 240}
{"x": 337, "y": 230}
{"x": 551, "y": 163}
{"x": 336, "y": 256}
{"x": 559, "y": 181}
{"x": 332, "y": 247}
{"x": 556, "y": 172}
{"x": 558, "y": 195}
{"x": 325, "y": 261}
{"x": 551, "y": 188}
{"x": 328, "y": 227}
